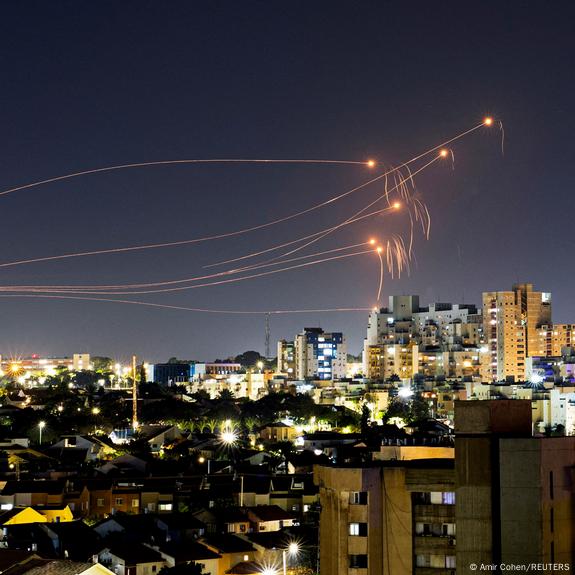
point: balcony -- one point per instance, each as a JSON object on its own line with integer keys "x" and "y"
{"x": 434, "y": 513}
{"x": 434, "y": 545}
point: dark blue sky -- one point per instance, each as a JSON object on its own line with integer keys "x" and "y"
{"x": 89, "y": 84}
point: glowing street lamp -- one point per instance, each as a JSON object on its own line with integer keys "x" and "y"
{"x": 292, "y": 550}
{"x": 41, "y": 426}
{"x": 229, "y": 437}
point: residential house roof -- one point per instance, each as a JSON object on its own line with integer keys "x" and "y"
{"x": 269, "y": 513}
{"x": 188, "y": 551}
{"x": 245, "y": 568}
{"x": 32, "y": 486}
{"x": 136, "y": 553}
{"x": 227, "y": 543}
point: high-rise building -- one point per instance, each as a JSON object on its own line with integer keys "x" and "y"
{"x": 553, "y": 339}
{"x": 512, "y": 322}
{"x": 504, "y": 334}
{"x": 535, "y": 311}
{"x": 514, "y": 493}
{"x": 438, "y": 340}
{"x": 507, "y": 498}
{"x": 286, "y": 357}
{"x": 320, "y": 355}
{"x": 387, "y": 518}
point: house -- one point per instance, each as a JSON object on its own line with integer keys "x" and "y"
{"x": 132, "y": 559}
{"x": 72, "y": 540}
{"x": 180, "y": 527}
{"x": 31, "y": 493}
{"x": 157, "y": 495}
{"x": 303, "y": 461}
{"x": 92, "y": 447}
{"x": 22, "y": 515}
{"x": 69, "y": 540}
{"x": 8, "y": 441}
{"x": 125, "y": 465}
{"x": 131, "y": 528}
{"x": 278, "y": 431}
{"x": 328, "y": 441}
{"x": 233, "y": 549}
{"x": 188, "y": 552}
{"x": 226, "y": 520}
{"x": 294, "y": 493}
{"x": 126, "y": 497}
{"x": 159, "y": 436}
{"x": 269, "y": 518}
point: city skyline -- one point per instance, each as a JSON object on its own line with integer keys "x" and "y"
{"x": 143, "y": 84}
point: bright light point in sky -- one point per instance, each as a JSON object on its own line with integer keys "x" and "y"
{"x": 372, "y": 241}
{"x": 379, "y": 249}
{"x": 371, "y": 163}
{"x": 397, "y": 205}
{"x": 488, "y": 121}
{"x": 443, "y": 153}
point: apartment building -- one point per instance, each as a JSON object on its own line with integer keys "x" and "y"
{"x": 390, "y": 518}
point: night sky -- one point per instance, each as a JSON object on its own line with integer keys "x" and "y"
{"x": 91, "y": 84}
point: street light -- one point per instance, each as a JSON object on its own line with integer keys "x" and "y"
{"x": 229, "y": 437}
{"x": 41, "y": 426}
{"x": 292, "y": 550}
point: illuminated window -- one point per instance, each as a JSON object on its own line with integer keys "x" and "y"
{"x": 448, "y": 498}
{"x": 358, "y": 498}
{"x": 358, "y": 529}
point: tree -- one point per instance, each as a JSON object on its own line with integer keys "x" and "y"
{"x": 365, "y": 415}
{"x": 418, "y": 409}
{"x": 249, "y": 358}
{"x": 101, "y": 363}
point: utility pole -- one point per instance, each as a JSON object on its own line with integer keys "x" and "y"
{"x": 267, "y": 350}
{"x": 134, "y": 395}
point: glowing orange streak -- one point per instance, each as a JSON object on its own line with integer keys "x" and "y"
{"x": 380, "y": 287}
{"x": 345, "y": 222}
{"x": 219, "y": 282}
{"x": 217, "y": 236}
{"x": 291, "y": 242}
{"x": 192, "y": 309}
{"x": 97, "y": 288}
{"x": 172, "y": 162}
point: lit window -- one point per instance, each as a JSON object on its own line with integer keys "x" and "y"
{"x": 358, "y": 498}
{"x": 448, "y": 498}
{"x": 358, "y": 529}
